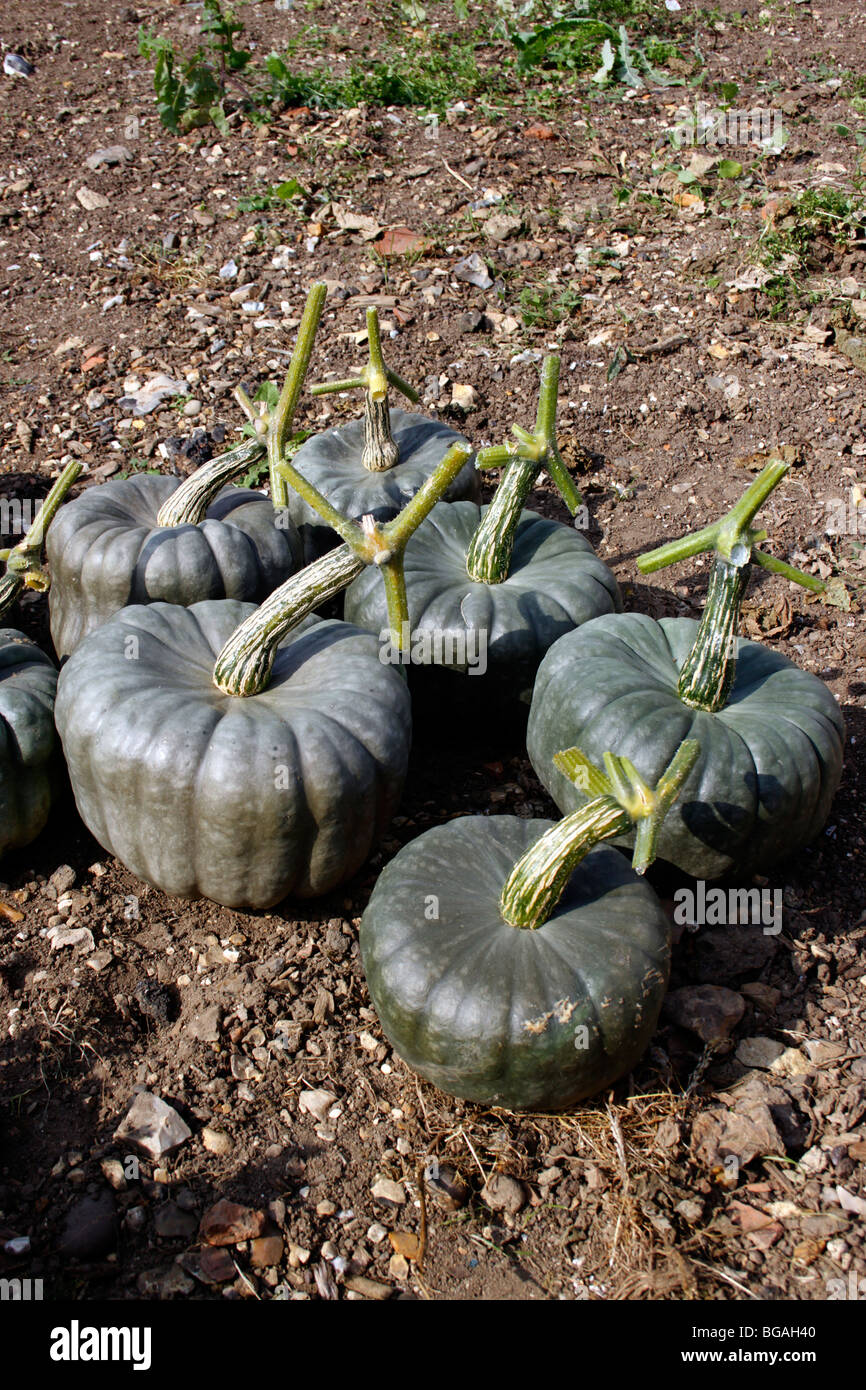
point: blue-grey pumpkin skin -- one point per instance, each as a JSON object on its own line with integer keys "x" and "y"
{"x": 331, "y": 461}
{"x": 556, "y": 582}
{"x": 241, "y": 800}
{"x": 106, "y": 552}
{"x": 770, "y": 760}
{"x": 496, "y": 1014}
{"x": 29, "y": 751}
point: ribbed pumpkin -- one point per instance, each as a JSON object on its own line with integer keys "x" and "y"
{"x": 223, "y": 751}
{"x": 497, "y": 582}
{"x": 29, "y": 752}
{"x": 30, "y": 769}
{"x": 373, "y": 466}
{"x": 771, "y": 735}
{"x": 510, "y": 962}
{"x": 152, "y": 539}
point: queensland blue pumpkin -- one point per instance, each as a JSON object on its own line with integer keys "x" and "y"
{"x": 373, "y": 466}
{"x": 152, "y": 539}
{"x": 490, "y": 589}
{"x": 518, "y": 962}
{"x": 771, "y": 735}
{"x": 222, "y": 750}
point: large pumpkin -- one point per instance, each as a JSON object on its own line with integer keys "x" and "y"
{"x": 333, "y": 463}
{"x": 29, "y": 761}
{"x": 514, "y": 962}
{"x": 110, "y": 548}
{"x": 555, "y": 583}
{"x": 239, "y": 800}
{"x": 526, "y": 1019}
{"x": 771, "y": 757}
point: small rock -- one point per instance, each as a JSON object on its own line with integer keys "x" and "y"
{"x": 61, "y": 937}
{"x": 144, "y": 399}
{"x": 90, "y": 1228}
{"x": 765, "y": 997}
{"x": 367, "y": 1288}
{"x": 156, "y": 1001}
{"x": 503, "y": 1193}
{"x": 62, "y": 879}
{"x": 792, "y": 1062}
{"x": 725, "y": 953}
{"x": 759, "y": 1052}
{"x": 472, "y": 271}
{"x": 171, "y": 1223}
{"x": 326, "y": 1208}
{"x": 398, "y": 1267}
{"x": 90, "y": 200}
{"x": 110, "y": 155}
{"x": 209, "y": 1265}
{"x": 690, "y": 1209}
{"x": 386, "y": 1190}
{"x": 16, "y": 66}
{"x": 376, "y": 1233}
{"x": 170, "y": 241}
{"x": 227, "y": 1223}
{"x": 718, "y": 1134}
{"x": 228, "y": 271}
{"x": 500, "y": 226}
{"x": 215, "y": 1141}
{"x": 820, "y": 1051}
{"x": 549, "y": 1177}
{"x": 153, "y": 1126}
{"x": 297, "y": 1255}
{"x": 316, "y": 1103}
{"x": 711, "y": 1012}
{"x": 113, "y": 1172}
{"x": 449, "y": 1190}
{"x": 192, "y": 408}
{"x": 470, "y": 322}
{"x": 266, "y": 1251}
{"x": 463, "y": 396}
{"x": 205, "y": 1027}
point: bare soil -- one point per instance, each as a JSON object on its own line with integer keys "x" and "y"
{"x": 622, "y": 1197}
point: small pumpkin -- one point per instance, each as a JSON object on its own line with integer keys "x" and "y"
{"x": 152, "y": 539}
{"x": 29, "y": 764}
{"x": 29, "y": 761}
{"x": 771, "y": 735}
{"x": 517, "y": 962}
{"x": 372, "y": 467}
{"x": 492, "y": 588}
{"x": 222, "y": 751}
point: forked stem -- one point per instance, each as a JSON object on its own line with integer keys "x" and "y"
{"x": 380, "y": 450}
{"x": 488, "y": 559}
{"x": 707, "y": 674}
{"x": 244, "y": 665}
{"x": 24, "y": 561}
{"x": 620, "y": 799}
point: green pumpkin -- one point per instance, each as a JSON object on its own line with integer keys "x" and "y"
{"x": 771, "y": 756}
{"x": 29, "y": 762}
{"x": 555, "y": 582}
{"x": 107, "y": 550}
{"x": 526, "y": 1019}
{"x": 332, "y": 462}
{"x": 244, "y": 801}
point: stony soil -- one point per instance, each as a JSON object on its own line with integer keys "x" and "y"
{"x": 258, "y": 1028}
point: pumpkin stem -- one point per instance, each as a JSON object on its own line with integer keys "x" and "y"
{"x": 279, "y": 425}
{"x": 708, "y": 671}
{"x": 621, "y": 799}
{"x": 380, "y": 450}
{"x": 243, "y": 667}
{"x": 489, "y": 556}
{"x": 188, "y": 505}
{"x": 24, "y": 561}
